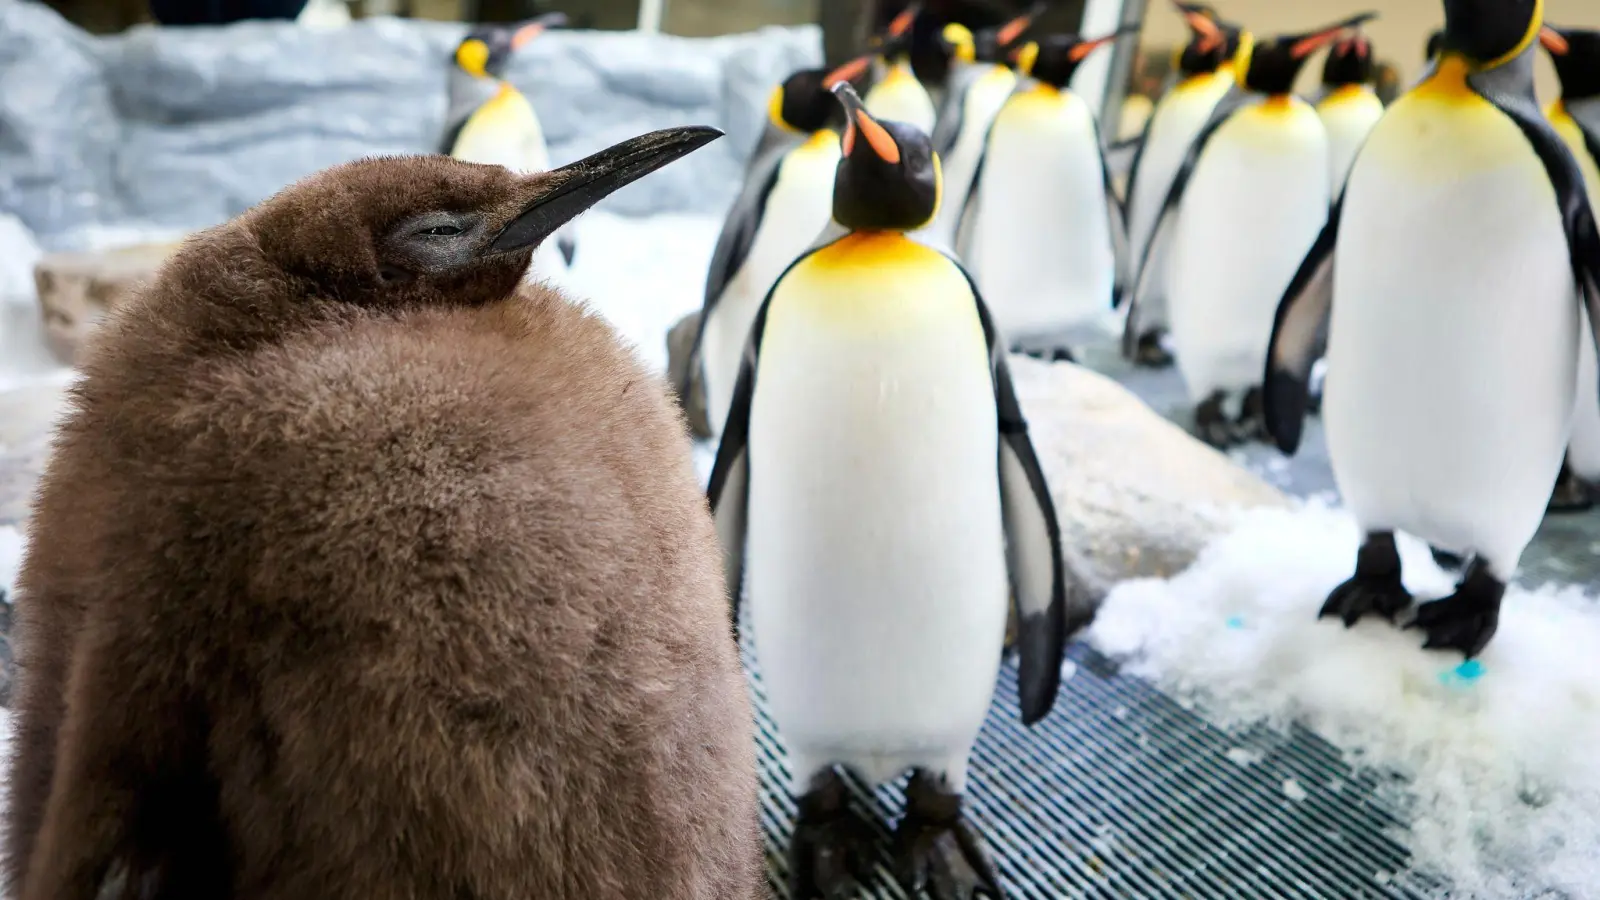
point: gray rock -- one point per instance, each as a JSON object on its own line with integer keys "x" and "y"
{"x": 181, "y": 128}
{"x": 1137, "y": 495}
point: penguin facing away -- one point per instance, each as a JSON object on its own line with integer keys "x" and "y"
{"x": 491, "y": 122}
{"x": 980, "y": 81}
{"x": 896, "y": 93}
{"x": 879, "y": 605}
{"x": 1205, "y": 75}
{"x": 784, "y": 205}
{"x": 1576, "y": 117}
{"x": 1349, "y": 106}
{"x": 1041, "y": 230}
{"x": 1245, "y": 205}
{"x": 400, "y": 540}
{"x": 1463, "y": 206}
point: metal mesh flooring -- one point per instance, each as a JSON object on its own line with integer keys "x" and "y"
{"x": 1122, "y": 792}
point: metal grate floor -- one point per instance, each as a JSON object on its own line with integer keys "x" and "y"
{"x": 1123, "y": 793}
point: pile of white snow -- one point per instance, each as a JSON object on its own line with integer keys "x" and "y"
{"x": 1502, "y": 753}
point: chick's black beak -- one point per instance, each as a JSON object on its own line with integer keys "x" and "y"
{"x": 1315, "y": 41}
{"x": 586, "y": 182}
{"x": 862, "y": 125}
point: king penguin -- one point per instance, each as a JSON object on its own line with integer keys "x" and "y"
{"x": 1349, "y": 105}
{"x": 896, "y": 93}
{"x": 1244, "y": 206}
{"x": 1205, "y": 75}
{"x": 877, "y": 466}
{"x": 1042, "y": 229}
{"x": 981, "y": 79}
{"x": 1576, "y": 117}
{"x": 491, "y": 122}
{"x": 1464, "y": 206}
{"x": 784, "y": 205}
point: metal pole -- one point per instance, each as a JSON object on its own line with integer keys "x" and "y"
{"x": 1121, "y": 68}
{"x": 650, "y": 14}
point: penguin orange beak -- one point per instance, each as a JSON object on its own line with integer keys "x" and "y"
{"x": 1554, "y": 41}
{"x": 900, "y": 24}
{"x": 1315, "y": 41}
{"x": 1010, "y": 31}
{"x": 1078, "y": 53}
{"x": 580, "y": 185}
{"x": 861, "y": 122}
{"x": 1211, "y": 36}
{"x": 850, "y": 71}
{"x": 522, "y": 36}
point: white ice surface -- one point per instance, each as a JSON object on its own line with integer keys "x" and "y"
{"x": 1504, "y": 757}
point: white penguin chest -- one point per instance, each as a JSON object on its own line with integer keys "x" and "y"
{"x": 797, "y": 209}
{"x": 1257, "y": 200}
{"x": 1176, "y": 121}
{"x": 504, "y": 131}
{"x": 876, "y": 575}
{"x": 1349, "y": 115}
{"x": 1040, "y": 247}
{"x": 1452, "y": 346}
{"x": 983, "y": 100}
{"x": 900, "y": 97}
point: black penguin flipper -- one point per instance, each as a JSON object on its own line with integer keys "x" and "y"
{"x": 447, "y": 147}
{"x": 1117, "y": 219}
{"x": 1138, "y": 154}
{"x": 1572, "y": 195}
{"x": 947, "y": 125}
{"x": 1299, "y": 334}
{"x": 1048, "y": 613}
{"x": 733, "y": 247}
{"x": 1220, "y": 114}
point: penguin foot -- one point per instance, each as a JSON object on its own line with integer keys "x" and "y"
{"x": 1572, "y": 494}
{"x": 832, "y": 848}
{"x": 1252, "y": 422}
{"x": 1149, "y": 353}
{"x": 1212, "y": 425}
{"x": 936, "y": 851}
{"x": 1467, "y": 619}
{"x": 1375, "y": 589}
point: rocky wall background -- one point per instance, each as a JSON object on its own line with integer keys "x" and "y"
{"x": 175, "y": 129}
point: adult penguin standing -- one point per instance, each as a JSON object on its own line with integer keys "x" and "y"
{"x": 896, "y": 94}
{"x": 878, "y": 606}
{"x": 1244, "y": 206}
{"x": 1465, "y": 207}
{"x": 1349, "y": 106}
{"x": 490, "y": 121}
{"x": 1205, "y": 75}
{"x": 1576, "y": 117}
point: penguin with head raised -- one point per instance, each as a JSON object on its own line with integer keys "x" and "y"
{"x": 1205, "y": 67}
{"x": 878, "y": 607}
{"x": 1245, "y": 204}
{"x": 1463, "y": 207}
{"x": 400, "y": 540}
{"x": 1349, "y": 105}
{"x": 1576, "y": 117}
{"x": 490, "y": 121}
{"x": 896, "y": 94}
{"x": 1041, "y": 228}
{"x": 981, "y": 78}
{"x": 784, "y": 205}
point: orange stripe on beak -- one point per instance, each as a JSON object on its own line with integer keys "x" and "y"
{"x": 1013, "y": 29}
{"x": 525, "y": 34}
{"x": 1076, "y": 54}
{"x": 1553, "y": 41}
{"x": 1309, "y": 45}
{"x": 901, "y": 24}
{"x": 877, "y": 138}
{"x": 850, "y": 71}
{"x": 1210, "y": 34}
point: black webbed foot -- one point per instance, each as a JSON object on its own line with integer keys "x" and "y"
{"x": 1466, "y": 619}
{"x": 1212, "y": 425}
{"x": 832, "y": 848}
{"x": 936, "y": 851}
{"x": 1149, "y": 352}
{"x": 1252, "y": 422}
{"x": 1571, "y": 494}
{"x": 1375, "y": 589}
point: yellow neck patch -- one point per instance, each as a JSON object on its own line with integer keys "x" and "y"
{"x": 1557, "y": 111}
{"x": 1448, "y": 82}
{"x": 472, "y": 56}
{"x": 819, "y": 141}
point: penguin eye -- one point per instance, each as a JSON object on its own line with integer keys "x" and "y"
{"x": 442, "y": 231}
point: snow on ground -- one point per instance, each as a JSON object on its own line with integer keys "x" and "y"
{"x": 1503, "y": 753}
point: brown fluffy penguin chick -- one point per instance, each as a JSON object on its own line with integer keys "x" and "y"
{"x": 363, "y": 570}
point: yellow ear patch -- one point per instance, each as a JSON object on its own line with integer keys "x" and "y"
{"x": 472, "y": 56}
{"x": 1241, "y": 60}
{"x": 959, "y": 38}
{"x": 1027, "y": 56}
{"x": 775, "y": 111}
{"x": 1535, "y": 25}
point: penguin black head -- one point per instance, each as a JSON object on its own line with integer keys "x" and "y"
{"x": 1270, "y": 67}
{"x": 1576, "y": 53}
{"x": 1349, "y": 62}
{"x": 888, "y": 178}
{"x": 1055, "y": 58}
{"x": 804, "y": 101}
{"x": 431, "y": 230}
{"x": 995, "y": 45}
{"x": 896, "y": 38}
{"x": 1435, "y": 45}
{"x": 487, "y": 48}
{"x": 1212, "y": 42}
{"x": 1490, "y": 33}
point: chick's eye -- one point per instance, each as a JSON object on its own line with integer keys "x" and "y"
{"x": 443, "y": 230}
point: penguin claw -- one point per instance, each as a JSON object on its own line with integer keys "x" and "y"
{"x": 944, "y": 859}
{"x": 1362, "y": 596}
{"x": 829, "y": 857}
{"x": 1466, "y": 619}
